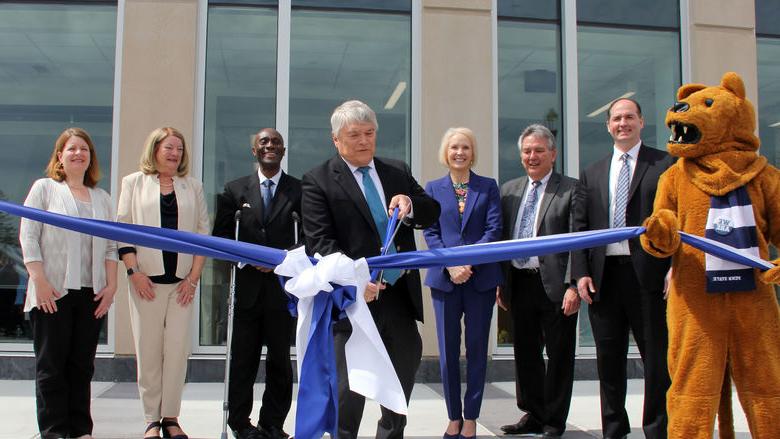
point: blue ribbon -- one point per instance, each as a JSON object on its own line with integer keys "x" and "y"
{"x": 318, "y": 384}
{"x": 317, "y": 405}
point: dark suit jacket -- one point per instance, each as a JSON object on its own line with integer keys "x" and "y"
{"x": 277, "y": 231}
{"x": 481, "y": 223}
{"x": 336, "y": 217}
{"x": 594, "y": 215}
{"x": 561, "y": 195}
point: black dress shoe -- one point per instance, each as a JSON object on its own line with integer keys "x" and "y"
{"x": 272, "y": 432}
{"x": 247, "y": 433}
{"x": 551, "y": 435}
{"x": 525, "y": 425}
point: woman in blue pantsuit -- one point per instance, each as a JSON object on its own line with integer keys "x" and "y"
{"x": 470, "y": 214}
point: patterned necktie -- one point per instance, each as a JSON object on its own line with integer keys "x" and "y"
{"x": 267, "y": 197}
{"x": 379, "y": 214}
{"x": 621, "y": 193}
{"x": 526, "y": 227}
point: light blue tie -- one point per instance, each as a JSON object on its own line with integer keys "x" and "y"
{"x": 621, "y": 193}
{"x": 267, "y": 197}
{"x": 526, "y": 227}
{"x": 379, "y": 213}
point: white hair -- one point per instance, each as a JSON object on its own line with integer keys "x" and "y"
{"x": 351, "y": 112}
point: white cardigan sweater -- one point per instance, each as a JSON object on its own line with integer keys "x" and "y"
{"x": 59, "y": 250}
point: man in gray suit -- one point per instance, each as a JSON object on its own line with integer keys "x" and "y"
{"x": 538, "y": 290}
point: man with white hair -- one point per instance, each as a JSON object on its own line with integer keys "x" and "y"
{"x": 345, "y": 207}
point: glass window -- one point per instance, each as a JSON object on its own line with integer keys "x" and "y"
{"x": 340, "y": 55}
{"x": 768, "y": 17}
{"x": 240, "y": 100}
{"x": 768, "y": 104}
{"x": 613, "y": 63}
{"x": 56, "y": 71}
{"x": 531, "y": 9}
{"x": 642, "y": 13}
{"x": 641, "y": 64}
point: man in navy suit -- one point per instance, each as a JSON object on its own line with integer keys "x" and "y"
{"x": 539, "y": 291}
{"x": 345, "y": 203}
{"x": 267, "y": 199}
{"x": 622, "y": 284}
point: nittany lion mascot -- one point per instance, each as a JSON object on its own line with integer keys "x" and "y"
{"x": 723, "y": 317}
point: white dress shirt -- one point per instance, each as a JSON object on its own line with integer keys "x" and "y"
{"x": 619, "y": 248}
{"x": 374, "y": 177}
{"x": 275, "y": 179}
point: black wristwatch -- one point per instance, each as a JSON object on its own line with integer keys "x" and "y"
{"x": 131, "y": 271}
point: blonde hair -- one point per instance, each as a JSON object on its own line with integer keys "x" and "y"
{"x": 445, "y": 140}
{"x": 148, "y": 160}
{"x": 54, "y": 169}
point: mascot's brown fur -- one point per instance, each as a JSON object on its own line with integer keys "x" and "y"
{"x": 714, "y": 334}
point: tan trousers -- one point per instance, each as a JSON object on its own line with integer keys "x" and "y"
{"x": 162, "y": 333}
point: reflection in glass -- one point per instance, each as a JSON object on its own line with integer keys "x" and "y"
{"x": 768, "y": 104}
{"x": 529, "y": 88}
{"x": 56, "y": 71}
{"x": 336, "y": 56}
{"x": 240, "y": 100}
{"x": 643, "y": 65}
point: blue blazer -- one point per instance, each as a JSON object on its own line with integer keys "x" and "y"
{"x": 481, "y": 223}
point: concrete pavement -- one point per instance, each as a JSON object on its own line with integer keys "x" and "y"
{"x": 116, "y": 410}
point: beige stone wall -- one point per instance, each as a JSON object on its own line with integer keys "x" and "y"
{"x": 157, "y": 89}
{"x": 723, "y": 39}
{"x": 457, "y": 90}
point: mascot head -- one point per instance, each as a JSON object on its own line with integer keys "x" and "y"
{"x": 707, "y": 120}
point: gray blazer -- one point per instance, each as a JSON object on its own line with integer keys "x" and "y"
{"x": 60, "y": 250}
{"x": 555, "y": 216}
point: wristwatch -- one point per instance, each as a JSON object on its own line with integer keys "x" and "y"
{"x": 132, "y": 270}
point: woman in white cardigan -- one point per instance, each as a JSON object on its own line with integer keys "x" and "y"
{"x": 72, "y": 285}
{"x": 162, "y": 284}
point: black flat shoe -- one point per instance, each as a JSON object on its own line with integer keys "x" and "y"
{"x": 166, "y": 434}
{"x": 152, "y": 425}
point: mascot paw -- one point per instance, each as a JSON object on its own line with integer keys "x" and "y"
{"x": 661, "y": 238}
{"x": 772, "y": 276}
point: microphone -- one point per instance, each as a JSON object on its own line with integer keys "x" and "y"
{"x": 237, "y": 216}
{"x": 296, "y": 220}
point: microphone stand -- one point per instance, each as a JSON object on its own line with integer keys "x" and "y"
{"x": 229, "y": 341}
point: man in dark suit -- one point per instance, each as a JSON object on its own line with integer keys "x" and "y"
{"x": 267, "y": 199}
{"x": 623, "y": 285}
{"x": 543, "y": 300}
{"x": 346, "y": 201}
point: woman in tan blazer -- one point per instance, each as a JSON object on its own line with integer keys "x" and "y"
{"x": 72, "y": 285}
{"x": 162, "y": 284}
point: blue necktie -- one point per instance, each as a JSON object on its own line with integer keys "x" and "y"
{"x": 526, "y": 227}
{"x": 379, "y": 214}
{"x": 265, "y": 191}
{"x": 621, "y": 193}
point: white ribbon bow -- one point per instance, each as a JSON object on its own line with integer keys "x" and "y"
{"x": 370, "y": 370}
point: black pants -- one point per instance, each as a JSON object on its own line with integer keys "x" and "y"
{"x": 65, "y": 343}
{"x": 267, "y": 322}
{"x": 545, "y": 394}
{"x": 395, "y": 321}
{"x": 625, "y": 306}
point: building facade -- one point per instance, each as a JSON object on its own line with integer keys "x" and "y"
{"x": 219, "y": 70}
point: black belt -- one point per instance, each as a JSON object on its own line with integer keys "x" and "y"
{"x": 619, "y": 260}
